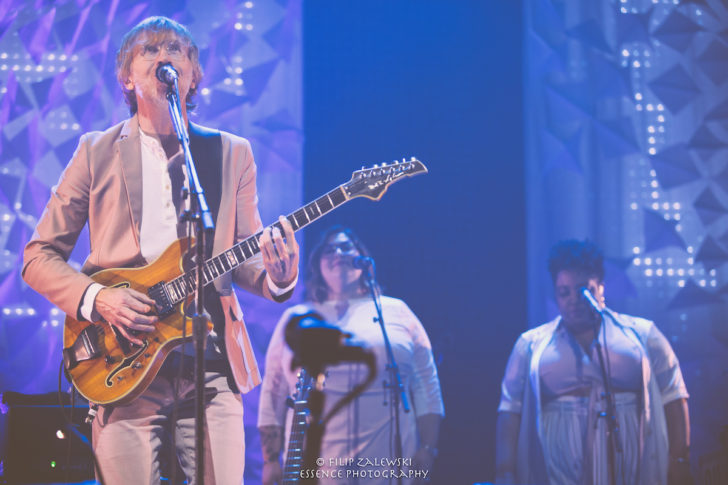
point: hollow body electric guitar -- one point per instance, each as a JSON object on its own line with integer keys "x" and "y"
{"x": 106, "y": 368}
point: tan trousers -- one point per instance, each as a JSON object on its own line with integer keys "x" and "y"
{"x": 129, "y": 440}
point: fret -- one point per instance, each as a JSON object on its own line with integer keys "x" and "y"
{"x": 221, "y": 261}
{"x": 313, "y": 208}
{"x": 310, "y": 213}
{"x": 245, "y": 245}
{"x": 205, "y": 279}
{"x": 318, "y": 209}
{"x": 292, "y": 221}
{"x": 239, "y": 254}
{"x": 219, "y": 266}
{"x": 254, "y": 243}
{"x": 324, "y": 204}
{"x": 232, "y": 259}
{"x": 172, "y": 292}
{"x": 337, "y": 196}
{"x": 207, "y": 273}
{"x": 300, "y": 214}
{"x": 178, "y": 289}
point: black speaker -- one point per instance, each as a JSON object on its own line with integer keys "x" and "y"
{"x": 40, "y": 445}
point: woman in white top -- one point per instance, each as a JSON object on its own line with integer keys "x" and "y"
{"x": 358, "y": 445}
{"x": 553, "y": 418}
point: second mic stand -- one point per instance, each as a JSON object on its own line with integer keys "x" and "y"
{"x": 614, "y": 445}
{"x": 199, "y": 215}
{"x": 395, "y": 385}
{"x": 317, "y": 344}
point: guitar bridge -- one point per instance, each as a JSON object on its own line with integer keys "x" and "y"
{"x": 159, "y": 294}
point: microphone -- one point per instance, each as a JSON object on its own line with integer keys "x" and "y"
{"x": 586, "y": 294}
{"x": 362, "y": 262}
{"x": 167, "y": 74}
{"x": 316, "y": 343}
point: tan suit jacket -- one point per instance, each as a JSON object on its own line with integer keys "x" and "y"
{"x": 102, "y": 186}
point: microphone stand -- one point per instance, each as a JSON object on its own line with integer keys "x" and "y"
{"x": 199, "y": 215}
{"x": 315, "y": 345}
{"x": 614, "y": 446}
{"x": 395, "y": 379}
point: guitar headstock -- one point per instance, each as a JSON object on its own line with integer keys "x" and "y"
{"x": 373, "y": 182}
{"x": 303, "y": 386}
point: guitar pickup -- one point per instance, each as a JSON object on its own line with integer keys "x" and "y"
{"x": 159, "y": 294}
{"x": 85, "y": 347}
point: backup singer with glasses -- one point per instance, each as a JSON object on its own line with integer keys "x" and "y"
{"x": 567, "y": 379}
{"x": 126, "y": 183}
{"x": 362, "y": 435}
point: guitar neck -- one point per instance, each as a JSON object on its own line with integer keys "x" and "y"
{"x": 294, "y": 457}
{"x": 184, "y": 285}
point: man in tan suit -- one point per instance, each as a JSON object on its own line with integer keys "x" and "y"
{"x": 125, "y": 183}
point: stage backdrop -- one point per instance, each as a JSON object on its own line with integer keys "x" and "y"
{"x": 626, "y": 137}
{"x": 57, "y": 81}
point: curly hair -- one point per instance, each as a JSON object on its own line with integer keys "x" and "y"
{"x": 155, "y": 29}
{"x": 576, "y": 255}
{"x": 316, "y": 287}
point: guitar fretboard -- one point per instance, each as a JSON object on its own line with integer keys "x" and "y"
{"x": 294, "y": 457}
{"x": 185, "y": 284}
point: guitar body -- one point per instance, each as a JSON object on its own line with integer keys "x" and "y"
{"x": 123, "y": 370}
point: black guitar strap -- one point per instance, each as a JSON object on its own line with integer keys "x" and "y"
{"x": 206, "y": 148}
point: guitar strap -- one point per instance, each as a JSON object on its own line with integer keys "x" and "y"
{"x": 206, "y": 149}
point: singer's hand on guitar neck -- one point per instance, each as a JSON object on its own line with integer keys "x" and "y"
{"x": 125, "y": 309}
{"x": 280, "y": 257}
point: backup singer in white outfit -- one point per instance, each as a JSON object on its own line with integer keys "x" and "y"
{"x": 361, "y": 436}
